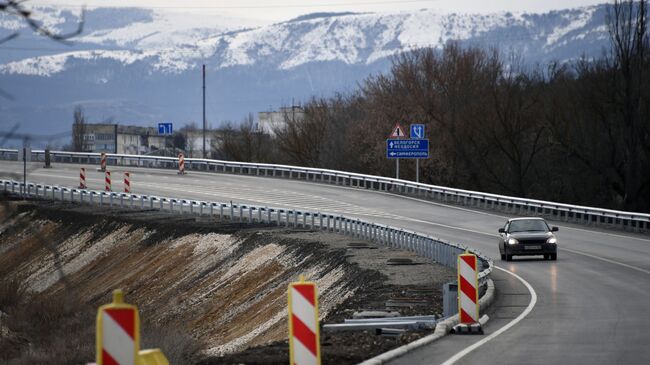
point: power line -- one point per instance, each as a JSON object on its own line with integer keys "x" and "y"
{"x": 277, "y": 6}
{"x": 51, "y": 49}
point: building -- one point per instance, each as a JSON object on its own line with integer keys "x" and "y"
{"x": 133, "y": 140}
{"x": 194, "y": 142}
{"x": 122, "y": 139}
{"x": 270, "y": 121}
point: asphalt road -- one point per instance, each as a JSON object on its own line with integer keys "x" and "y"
{"x": 589, "y": 307}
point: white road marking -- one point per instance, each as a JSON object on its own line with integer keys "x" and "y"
{"x": 373, "y": 213}
{"x": 450, "y": 227}
{"x": 608, "y": 260}
{"x": 400, "y": 196}
{"x": 559, "y": 248}
{"x": 522, "y": 315}
{"x": 294, "y": 202}
{"x": 505, "y": 217}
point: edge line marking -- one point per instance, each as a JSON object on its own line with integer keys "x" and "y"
{"x": 522, "y": 315}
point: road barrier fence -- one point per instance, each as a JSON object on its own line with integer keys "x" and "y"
{"x": 512, "y": 205}
{"x": 437, "y": 250}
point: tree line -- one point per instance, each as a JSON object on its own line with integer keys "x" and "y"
{"x": 576, "y": 132}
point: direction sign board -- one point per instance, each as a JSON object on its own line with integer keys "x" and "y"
{"x": 165, "y": 129}
{"x": 407, "y": 148}
{"x": 417, "y": 131}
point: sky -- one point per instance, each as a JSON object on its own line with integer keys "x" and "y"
{"x": 278, "y": 10}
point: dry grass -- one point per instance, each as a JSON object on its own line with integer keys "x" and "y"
{"x": 11, "y": 293}
{"x": 45, "y": 329}
{"x": 179, "y": 347}
{"x": 57, "y": 329}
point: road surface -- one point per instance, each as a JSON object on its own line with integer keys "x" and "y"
{"x": 588, "y": 307}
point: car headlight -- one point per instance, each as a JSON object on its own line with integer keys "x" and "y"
{"x": 552, "y": 240}
{"x": 512, "y": 241}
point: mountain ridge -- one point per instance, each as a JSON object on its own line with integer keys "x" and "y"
{"x": 254, "y": 67}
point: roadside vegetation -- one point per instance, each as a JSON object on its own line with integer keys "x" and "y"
{"x": 575, "y": 132}
{"x": 60, "y": 329}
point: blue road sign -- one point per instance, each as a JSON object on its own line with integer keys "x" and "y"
{"x": 407, "y": 148}
{"x": 165, "y": 129}
{"x": 417, "y": 131}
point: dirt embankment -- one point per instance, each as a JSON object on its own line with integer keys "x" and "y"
{"x": 208, "y": 292}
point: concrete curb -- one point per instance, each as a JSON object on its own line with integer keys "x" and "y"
{"x": 442, "y": 329}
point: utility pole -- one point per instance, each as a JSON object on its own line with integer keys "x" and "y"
{"x": 204, "y": 155}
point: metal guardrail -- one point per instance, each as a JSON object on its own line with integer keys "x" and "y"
{"x": 435, "y": 249}
{"x": 508, "y": 204}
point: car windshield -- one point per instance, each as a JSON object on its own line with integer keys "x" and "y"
{"x": 530, "y": 225}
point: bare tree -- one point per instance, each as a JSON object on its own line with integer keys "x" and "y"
{"x": 628, "y": 30}
{"x": 16, "y": 8}
{"x": 191, "y": 136}
{"x": 301, "y": 136}
{"x": 78, "y": 130}
{"x": 512, "y": 131}
{"x": 246, "y": 142}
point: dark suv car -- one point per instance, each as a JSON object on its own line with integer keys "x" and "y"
{"x": 527, "y": 237}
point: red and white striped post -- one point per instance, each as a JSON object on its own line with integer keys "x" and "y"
{"x": 127, "y": 182}
{"x": 82, "y": 178}
{"x": 118, "y": 333}
{"x": 304, "y": 338}
{"x": 181, "y": 164}
{"x": 107, "y": 180}
{"x": 468, "y": 288}
{"x": 102, "y": 162}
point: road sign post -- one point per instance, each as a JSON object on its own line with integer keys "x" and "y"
{"x": 118, "y": 332}
{"x": 407, "y": 148}
{"x": 468, "y": 306}
{"x": 118, "y": 336}
{"x": 304, "y": 338}
{"x": 397, "y": 133}
{"x": 165, "y": 129}
{"x": 417, "y": 132}
{"x": 417, "y": 147}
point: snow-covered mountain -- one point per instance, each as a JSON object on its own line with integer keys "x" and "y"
{"x": 143, "y": 66}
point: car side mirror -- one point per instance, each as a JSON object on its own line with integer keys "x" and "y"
{"x": 554, "y": 229}
{"x": 501, "y": 230}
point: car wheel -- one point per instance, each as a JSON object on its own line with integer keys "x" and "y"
{"x": 508, "y": 257}
{"x": 554, "y": 256}
{"x": 547, "y": 257}
{"x": 503, "y": 257}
